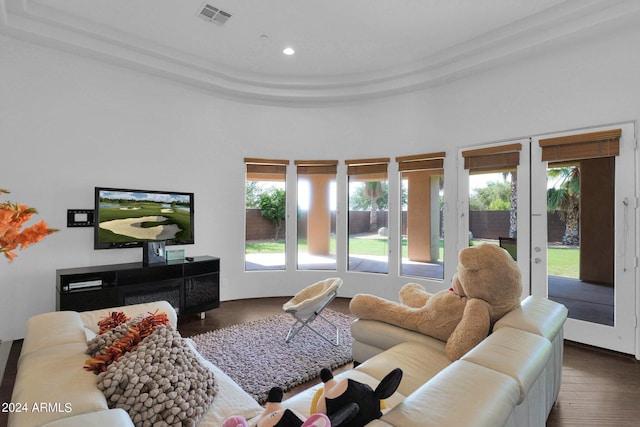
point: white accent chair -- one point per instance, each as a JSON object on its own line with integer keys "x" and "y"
{"x": 307, "y": 305}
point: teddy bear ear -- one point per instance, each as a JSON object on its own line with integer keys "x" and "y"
{"x": 475, "y": 257}
{"x": 468, "y": 257}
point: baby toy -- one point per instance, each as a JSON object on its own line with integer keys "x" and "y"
{"x": 350, "y": 403}
{"x": 340, "y": 403}
{"x": 275, "y": 415}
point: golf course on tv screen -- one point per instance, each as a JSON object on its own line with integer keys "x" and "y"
{"x": 128, "y": 218}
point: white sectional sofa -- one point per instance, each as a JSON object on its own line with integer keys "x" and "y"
{"x": 512, "y": 378}
{"x": 50, "y": 372}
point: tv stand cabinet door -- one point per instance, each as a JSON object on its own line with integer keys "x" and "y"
{"x": 201, "y": 285}
{"x": 162, "y": 290}
{"x": 89, "y": 299}
{"x": 201, "y": 293}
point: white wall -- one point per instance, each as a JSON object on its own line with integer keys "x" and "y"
{"x": 68, "y": 124}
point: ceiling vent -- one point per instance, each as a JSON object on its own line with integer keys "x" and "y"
{"x": 213, "y": 14}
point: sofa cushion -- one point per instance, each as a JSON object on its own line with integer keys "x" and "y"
{"x": 54, "y": 375}
{"x": 50, "y": 329}
{"x": 463, "y": 394}
{"x": 419, "y": 363}
{"x": 229, "y": 400}
{"x": 521, "y": 355}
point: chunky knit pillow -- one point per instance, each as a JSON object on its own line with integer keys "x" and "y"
{"x": 161, "y": 382}
{"x": 106, "y": 339}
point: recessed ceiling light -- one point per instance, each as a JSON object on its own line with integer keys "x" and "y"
{"x": 288, "y": 51}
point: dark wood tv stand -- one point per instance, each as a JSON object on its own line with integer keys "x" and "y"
{"x": 190, "y": 286}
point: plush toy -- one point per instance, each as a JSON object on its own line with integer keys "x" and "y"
{"x": 340, "y": 403}
{"x": 350, "y": 403}
{"x": 275, "y": 415}
{"x": 487, "y": 285}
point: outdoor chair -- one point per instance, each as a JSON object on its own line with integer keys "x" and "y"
{"x": 511, "y": 246}
{"x": 307, "y": 305}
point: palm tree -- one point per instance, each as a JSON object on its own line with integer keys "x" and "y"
{"x": 513, "y": 198}
{"x": 373, "y": 191}
{"x": 564, "y": 198}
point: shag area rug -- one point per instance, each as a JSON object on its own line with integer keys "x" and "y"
{"x": 256, "y": 356}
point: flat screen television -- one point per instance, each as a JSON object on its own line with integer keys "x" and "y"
{"x": 127, "y": 218}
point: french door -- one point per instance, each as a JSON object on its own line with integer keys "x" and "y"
{"x": 571, "y": 223}
{"x": 598, "y": 245}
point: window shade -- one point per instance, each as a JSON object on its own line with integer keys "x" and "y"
{"x": 584, "y": 146}
{"x": 266, "y": 169}
{"x": 373, "y": 168}
{"x": 504, "y": 157}
{"x": 421, "y": 162}
{"x": 309, "y": 167}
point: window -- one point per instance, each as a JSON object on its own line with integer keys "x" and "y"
{"x": 422, "y": 227}
{"x": 581, "y": 253}
{"x": 265, "y": 214}
{"x": 316, "y": 214}
{"x": 368, "y": 244}
{"x": 493, "y": 196}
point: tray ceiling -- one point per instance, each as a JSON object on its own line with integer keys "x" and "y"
{"x": 343, "y": 49}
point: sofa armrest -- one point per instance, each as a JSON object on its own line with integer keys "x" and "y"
{"x": 537, "y": 315}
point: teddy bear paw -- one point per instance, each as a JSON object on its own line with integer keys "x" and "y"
{"x": 413, "y": 295}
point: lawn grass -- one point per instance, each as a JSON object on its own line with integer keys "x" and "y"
{"x": 272, "y": 247}
{"x": 562, "y": 261}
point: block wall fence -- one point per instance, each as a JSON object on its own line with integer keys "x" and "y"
{"x": 483, "y": 224}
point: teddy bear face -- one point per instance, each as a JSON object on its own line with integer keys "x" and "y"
{"x": 489, "y": 273}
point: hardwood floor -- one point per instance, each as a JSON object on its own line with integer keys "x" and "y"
{"x": 599, "y": 388}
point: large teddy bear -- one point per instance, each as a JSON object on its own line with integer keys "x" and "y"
{"x": 486, "y": 286}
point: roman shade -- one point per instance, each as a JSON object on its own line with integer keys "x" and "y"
{"x": 431, "y": 161}
{"x": 592, "y": 145}
{"x": 317, "y": 167}
{"x": 368, "y": 169}
{"x": 503, "y": 157}
{"x": 266, "y": 169}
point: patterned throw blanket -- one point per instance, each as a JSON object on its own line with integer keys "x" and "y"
{"x": 160, "y": 382}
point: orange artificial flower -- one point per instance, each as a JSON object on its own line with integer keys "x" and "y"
{"x": 12, "y": 218}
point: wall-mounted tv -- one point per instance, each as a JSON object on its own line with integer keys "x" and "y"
{"x": 128, "y": 218}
